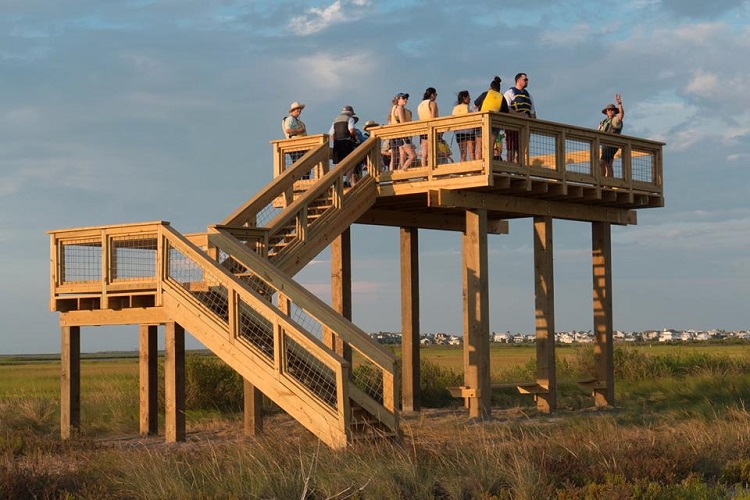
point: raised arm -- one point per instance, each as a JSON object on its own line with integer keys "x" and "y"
{"x": 620, "y": 110}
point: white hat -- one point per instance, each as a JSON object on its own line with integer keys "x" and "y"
{"x": 296, "y": 105}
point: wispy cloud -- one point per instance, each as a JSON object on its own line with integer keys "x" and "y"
{"x": 315, "y": 19}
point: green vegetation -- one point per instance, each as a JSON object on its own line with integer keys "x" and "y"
{"x": 680, "y": 430}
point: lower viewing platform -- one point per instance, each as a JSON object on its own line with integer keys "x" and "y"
{"x": 556, "y": 171}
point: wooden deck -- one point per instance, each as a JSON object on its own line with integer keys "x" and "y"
{"x": 557, "y": 174}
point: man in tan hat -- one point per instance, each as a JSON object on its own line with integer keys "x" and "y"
{"x": 294, "y": 127}
{"x": 612, "y": 124}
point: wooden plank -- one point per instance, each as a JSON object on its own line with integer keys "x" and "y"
{"x": 544, "y": 298}
{"x": 174, "y": 382}
{"x": 70, "y": 381}
{"x": 341, "y": 291}
{"x": 253, "y": 406}
{"x": 462, "y": 391}
{"x": 148, "y": 379}
{"x": 134, "y": 316}
{"x": 424, "y": 220}
{"x": 601, "y": 260}
{"x": 531, "y": 207}
{"x": 410, "y": 329}
{"x": 476, "y": 313}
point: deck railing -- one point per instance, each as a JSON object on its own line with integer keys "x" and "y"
{"x": 546, "y": 150}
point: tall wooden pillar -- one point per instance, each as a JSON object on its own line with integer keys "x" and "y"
{"x": 174, "y": 382}
{"x": 253, "y": 415}
{"x": 476, "y": 314}
{"x": 341, "y": 290}
{"x": 70, "y": 380}
{"x": 544, "y": 296}
{"x": 410, "y": 318}
{"x": 148, "y": 379}
{"x": 601, "y": 246}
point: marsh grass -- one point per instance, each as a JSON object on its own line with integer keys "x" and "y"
{"x": 680, "y": 430}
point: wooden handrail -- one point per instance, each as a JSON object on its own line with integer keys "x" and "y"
{"x": 278, "y": 186}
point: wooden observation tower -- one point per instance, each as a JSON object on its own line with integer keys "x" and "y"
{"x": 232, "y": 287}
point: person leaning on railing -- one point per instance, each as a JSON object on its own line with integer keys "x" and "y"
{"x": 519, "y": 101}
{"x": 464, "y": 137}
{"x": 612, "y": 124}
{"x": 492, "y": 100}
{"x": 400, "y": 114}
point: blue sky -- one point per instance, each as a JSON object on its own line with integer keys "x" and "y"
{"x": 128, "y": 111}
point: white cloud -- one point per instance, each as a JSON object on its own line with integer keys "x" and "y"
{"x": 333, "y": 72}
{"x": 315, "y": 20}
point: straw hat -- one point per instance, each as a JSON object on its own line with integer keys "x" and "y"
{"x": 609, "y": 106}
{"x": 296, "y": 105}
{"x": 370, "y": 124}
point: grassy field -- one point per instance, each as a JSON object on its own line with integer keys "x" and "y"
{"x": 679, "y": 430}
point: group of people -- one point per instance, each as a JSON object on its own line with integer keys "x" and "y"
{"x": 400, "y": 153}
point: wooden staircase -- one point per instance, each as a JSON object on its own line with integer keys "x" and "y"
{"x": 231, "y": 288}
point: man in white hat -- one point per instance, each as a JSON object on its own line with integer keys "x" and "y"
{"x": 294, "y": 127}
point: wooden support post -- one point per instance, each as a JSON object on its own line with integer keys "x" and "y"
{"x": 174, "y": 382}
{"x": 148, "y": 379}
{"x": 544, "y": 296}
{"x": 253, "y": 417}
{"x": 476, "y": 314}
{"x": 341, "y": 290}
{"x": 601, "y": 243}
{"x": 70, "y": 380}
{"x": 410, "y": 318}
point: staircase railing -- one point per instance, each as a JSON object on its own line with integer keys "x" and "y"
{"x": 375, "y": 385}
{"x": 311, "y": 219}
{"x": 261, "y": 323}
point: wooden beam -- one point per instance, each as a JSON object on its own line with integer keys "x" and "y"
{"x": 544, "y": 298}
{"x": 174, "y": 382}
{"x": 253, "y": 415}
{"x": 148, "y": 379}
{"x": 70, "y": 380}
{"x": 530, "y": 207}
{"x": 341, "y": 290}
{"x": 420, "y": 220}
{"x": 476, "y": 313}
{"x": 601, "y": 243}
{"x": 410, "y": 328}
{"x": 98, "y": 317}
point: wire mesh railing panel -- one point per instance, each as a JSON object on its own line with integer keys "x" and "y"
{"x": 369, "y": 378}
{"x": 199, "y": 283}
{"x": 256, "y": 330}
{"x": 263, "y": 288}
{"x": 81, "y": 261}
{"x": 642, "y": 166}
{"x": 542, "y": 150}
{"x": 306, "y": 321}
{"x": 293, "y": 154}
{"x": 309, "y": 371}
{"x": 266, "y": 215}
{"x": 512, "y": 150}
{"x": 610, "y": 153}
{"x": 578, "y": 157}
{"x": 133, "y": 258}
